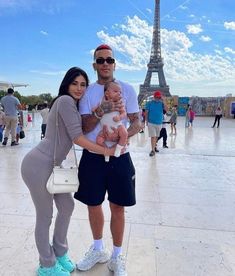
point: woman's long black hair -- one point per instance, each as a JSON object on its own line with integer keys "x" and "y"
{"x": 69, "y": 77}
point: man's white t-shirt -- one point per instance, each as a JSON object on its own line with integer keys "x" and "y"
{"x": 93, "y": 97}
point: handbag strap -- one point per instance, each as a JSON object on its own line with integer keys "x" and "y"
{"x": 57, "y": 137}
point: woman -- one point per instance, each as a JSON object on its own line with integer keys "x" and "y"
{"x": 37, "y": 166}
{"x": 218, "y": 116}
{"x": 173, "y": 120}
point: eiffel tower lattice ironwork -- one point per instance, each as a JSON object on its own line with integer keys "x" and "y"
{"x": 155, "y": 64}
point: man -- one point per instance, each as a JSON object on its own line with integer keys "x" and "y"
{"x": 116, "y": 177}
{"x": 11, "y": 105}
{"x": 154, "y": 111}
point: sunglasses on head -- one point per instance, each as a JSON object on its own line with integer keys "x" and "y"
{"x": 101, "y": 60}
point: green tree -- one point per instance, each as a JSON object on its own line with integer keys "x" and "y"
{"x": 17, "y": 95}
{"x": 2, "y": 94}
{"x": 45, "y": 97}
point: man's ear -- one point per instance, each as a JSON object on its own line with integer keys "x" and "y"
{"x": 94, "y": 66}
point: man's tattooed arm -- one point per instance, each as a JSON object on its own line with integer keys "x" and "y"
{"x": 135, "y": 124}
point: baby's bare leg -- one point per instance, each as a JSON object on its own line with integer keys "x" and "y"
{"x": 100, "y": 140}
{"x": 123, "y": 135}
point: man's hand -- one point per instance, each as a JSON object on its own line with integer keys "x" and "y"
{"x": 108, "y": 106}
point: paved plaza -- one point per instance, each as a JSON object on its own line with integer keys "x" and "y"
{"x": 184, "y": 220}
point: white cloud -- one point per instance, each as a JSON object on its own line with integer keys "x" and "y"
{"x": 194, "y": 29}
{"x": 218, "y": 52}
{"x": 229, "y": 25}
{"x": 229, "y": 50}
{"x": 44, "y": 33}
{"x": 205, "y": 38}
{"x": 183, "y": 66}
{"x": 149, "y": 10}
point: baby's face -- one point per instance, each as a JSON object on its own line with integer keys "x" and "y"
{"x": 113, "y": 92}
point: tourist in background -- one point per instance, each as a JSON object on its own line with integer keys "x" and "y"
{"x": 44, "y": 113}
{"x": 187, "y": 117}
{"x": 218, "y": 116}
{"x": 11, "y": 105}
{"x": 142, "y": 118}
{"x": 154, "y": 118}
{"x": 173, "y": 120}
{"x": 191, "y": 116}
{"x": 163, "y": 132}
{"x": 2, "y": 123}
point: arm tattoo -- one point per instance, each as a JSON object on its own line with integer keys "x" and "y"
{"x": 88, "y": 122}
{"x": 135, "y": 124}
{"x": 106, "y": 107}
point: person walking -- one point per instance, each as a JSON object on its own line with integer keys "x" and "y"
{"x": 187, "y": 117}
{"x": 163, "y": 132}
{"x": 116, "y": 177}
{"x": 173, "y": 120}
{"x": 142, "y": 116}
{"x": 64, "y": 122}
{"x": 218, "y": 116}
{"x": 154, "y": 118}
{"x": 44, "y": 114}
{"x": 2, "y": 123}
{"x": 191, "y": 116}
{"x": 11, "y": 104}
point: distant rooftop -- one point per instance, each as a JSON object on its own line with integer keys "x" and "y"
{"x": 6, "y": 85}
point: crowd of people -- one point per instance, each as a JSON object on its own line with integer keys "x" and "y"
{"x": 100, "y": 117}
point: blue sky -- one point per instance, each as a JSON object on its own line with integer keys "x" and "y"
{"x": 42, "y": 39}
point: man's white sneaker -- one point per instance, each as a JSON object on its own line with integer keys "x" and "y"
{"x": 117, "y": 265}
{"x": 93, "y": 257}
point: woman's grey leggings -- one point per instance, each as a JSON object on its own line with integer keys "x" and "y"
{"x": 35, "y": 169}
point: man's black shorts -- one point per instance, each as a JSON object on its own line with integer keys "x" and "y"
{"x": 96, "y": 176}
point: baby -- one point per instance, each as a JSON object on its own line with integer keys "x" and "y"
{"x": 112, "y": 91}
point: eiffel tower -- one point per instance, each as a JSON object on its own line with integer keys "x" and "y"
{"x": 155, "y": 64}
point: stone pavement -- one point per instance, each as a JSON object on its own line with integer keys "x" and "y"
{"x": 184, "y": 220}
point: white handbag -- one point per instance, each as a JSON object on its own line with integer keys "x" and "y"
{"x": 62, "y": 179}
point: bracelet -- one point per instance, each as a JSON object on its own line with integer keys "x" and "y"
{"x": 95, "y": 114}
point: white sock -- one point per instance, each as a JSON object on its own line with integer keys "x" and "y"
{"x": 98, "y": 244}
{"x": 118, "y": 150}
{"x": 117, "y": 250}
